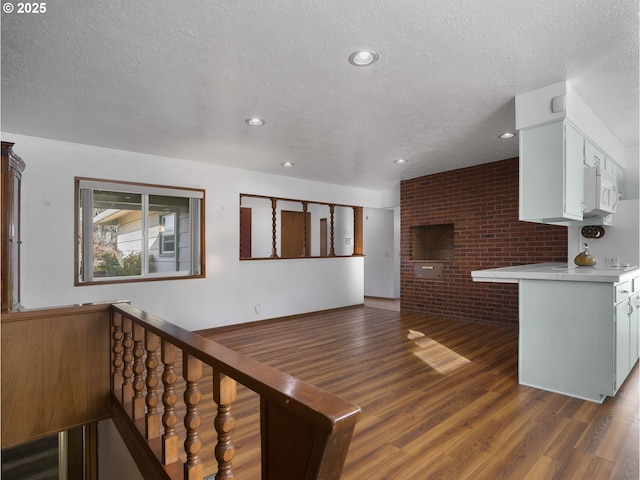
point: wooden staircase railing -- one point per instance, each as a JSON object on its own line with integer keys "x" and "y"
{"x": 305, "y": 431}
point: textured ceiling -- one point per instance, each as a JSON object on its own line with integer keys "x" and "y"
{"x": 178, "y": 79}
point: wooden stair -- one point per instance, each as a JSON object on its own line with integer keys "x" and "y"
{"x": 37, "y": 460}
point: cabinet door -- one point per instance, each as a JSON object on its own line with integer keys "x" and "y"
{"x": 620, "y": 180}
{"x": 622, "y": 365}
{"x": 573, "y": 175}
{"x": 634, "y": 329}
{"x": 592, "y": 155}
{"x": 551, "y": 178}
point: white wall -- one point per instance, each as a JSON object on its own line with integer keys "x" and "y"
{"x": 114, "y": 459}
{"x": 231, "y": 290}
{"x": 379, "y": 251}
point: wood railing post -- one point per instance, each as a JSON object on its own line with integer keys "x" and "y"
{"x": 357, "y": 231}
{"x": 138, "y": 372}
{"x": 116, "y": 378}
{"x": 127, "y": 357}
{"x": 332, "y": 245}
{"x": 192, "y": 372}
{"x": 274, "y": 228}
{"x": 305, "y": 206}
{"x": 224, "y": 394}
{"x": 169, "y": 399}
{"x": 152, "y": 417}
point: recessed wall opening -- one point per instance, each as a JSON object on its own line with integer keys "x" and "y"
{"x": 432, "y": 242}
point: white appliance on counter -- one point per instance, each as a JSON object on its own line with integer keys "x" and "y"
{"x": 600, "y": 192}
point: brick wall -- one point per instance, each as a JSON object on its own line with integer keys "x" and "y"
{"x": 482, "y": 203}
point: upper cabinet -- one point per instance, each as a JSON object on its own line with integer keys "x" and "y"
{"x": 551, "y": 179}
{"x": 552, "y": 159}
{"x": 560, "y": 136}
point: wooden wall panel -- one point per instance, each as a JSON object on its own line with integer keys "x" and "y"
{"x": 55, "y": 370}
{"x": 99, "y": 356}
{"x": 65, "y": 372}
{"x": 22, "y": 387}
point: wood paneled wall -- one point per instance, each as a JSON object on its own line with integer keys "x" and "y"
{"x": 55, "y": 370}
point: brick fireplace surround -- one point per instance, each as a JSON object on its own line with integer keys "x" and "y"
{"x": 482, "y": 204}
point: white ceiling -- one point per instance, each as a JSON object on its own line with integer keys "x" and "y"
{"x": 178, "y": 79}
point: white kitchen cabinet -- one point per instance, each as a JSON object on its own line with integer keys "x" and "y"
{"x": 634, "y": 320}
{"x": 593, "y": 156}
{"x": 551, "y": 179}
{"x": 623, "y": 343}
{"x": 577, "y": 338}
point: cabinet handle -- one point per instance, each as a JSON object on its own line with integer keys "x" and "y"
{"x": 630, "y": 309}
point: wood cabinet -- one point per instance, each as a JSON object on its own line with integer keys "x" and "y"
{"x": 551, "y": 179}
{"x": 577, "y": 338}
{"x": 12, "y": 168}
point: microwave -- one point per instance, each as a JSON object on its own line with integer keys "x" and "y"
{"x": 600, "y": 192}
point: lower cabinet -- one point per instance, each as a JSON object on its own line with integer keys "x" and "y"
{"x": 578, "y": 338}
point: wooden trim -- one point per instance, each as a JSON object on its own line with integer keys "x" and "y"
{"x": 76, "y": 231}
{"x": 296, "y": 258}
{"x": 62, "y": 311}
{"x": 140, "y": 184}
{"x": 284, "y": 199}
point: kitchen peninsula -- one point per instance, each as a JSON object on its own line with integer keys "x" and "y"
{"x": 579, "y": 332}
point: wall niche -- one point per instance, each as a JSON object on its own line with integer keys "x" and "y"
{"x": 432, "y": 242}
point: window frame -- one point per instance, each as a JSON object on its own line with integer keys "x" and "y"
{"x": 197, "y": 236}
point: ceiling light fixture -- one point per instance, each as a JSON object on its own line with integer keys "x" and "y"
{"x": 362, "y": 58}
{"x": 288, "y": 164}
{"x": 400, "y": 161}
{"x": 506, "y": 135}
{"x": 254, "y": 122}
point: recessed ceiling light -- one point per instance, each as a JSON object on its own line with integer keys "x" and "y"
{"x": 506, "y": 135}
{"x": 400, "y": 161}
{"x": 288, "y": 164}
{"x": 362, "y": 58}
{"x": 254, "y": 122}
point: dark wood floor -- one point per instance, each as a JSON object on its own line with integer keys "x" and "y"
{"x": 440, "y": 400}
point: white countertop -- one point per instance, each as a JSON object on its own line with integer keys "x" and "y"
{"x": 555, "y": 271}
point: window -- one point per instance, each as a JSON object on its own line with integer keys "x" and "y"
{"x": 133, "y": 232}
{"x": 168, "y": 234}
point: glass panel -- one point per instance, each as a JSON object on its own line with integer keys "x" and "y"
{"x": 169, "y": 226}
{"x": 117, "y": 234}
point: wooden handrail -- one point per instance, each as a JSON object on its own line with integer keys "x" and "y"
{"x": 323, "y": 422}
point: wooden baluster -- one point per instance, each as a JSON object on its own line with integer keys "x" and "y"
{"x": 138, "y": 372}
{"x": 192, "y": 372}
{"x": 305, "y": 206}
{"x": 274, "y": 228}
{"x": 169, "y": 398}
{"x": 127, "y": 357}
{"x": 152, "y": 418}
{"x": 224, "y": 394}
{"x": 116, "y": 378}
{"x": 332, "y": 247}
